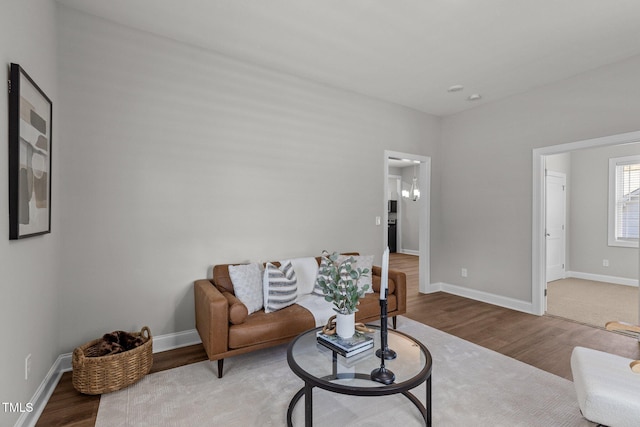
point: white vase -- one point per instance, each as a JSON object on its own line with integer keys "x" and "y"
{"x": 345, "y": 325}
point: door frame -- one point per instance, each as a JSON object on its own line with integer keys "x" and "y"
{"x": 424, "y": 223}
{"x": 538, "y": 241}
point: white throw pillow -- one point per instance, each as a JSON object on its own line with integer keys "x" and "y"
{"x": 279, "y": 286}
{"x": 306, "y": 272}
{"x": 247, "y": 285}
{"x": 362, "y": 261}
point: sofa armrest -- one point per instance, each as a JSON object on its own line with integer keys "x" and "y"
{"x": 400, "y": 280}
{"x": 212, "y": 317}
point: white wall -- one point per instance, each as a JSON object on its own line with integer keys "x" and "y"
{"x": 589, "y": 215}
{"x": 177, "y": 159}
{"x": 486, "y": 181}
{"x": 28, "y": 267}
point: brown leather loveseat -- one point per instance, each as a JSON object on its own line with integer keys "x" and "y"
{"x": 226, "y": 329}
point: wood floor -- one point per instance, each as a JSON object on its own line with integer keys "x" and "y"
{"x": 542, "y": 341}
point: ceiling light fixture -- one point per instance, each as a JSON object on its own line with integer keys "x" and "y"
{"x": 474, "y": 97}
{"x": 455, "y": 88}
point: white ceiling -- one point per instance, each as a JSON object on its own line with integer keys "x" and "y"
{"x": 403, "y": 51}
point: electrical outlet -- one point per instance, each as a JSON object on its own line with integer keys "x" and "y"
{"x": 27, "y": 366}
{"x": 463, "y": 272}
{"x": 378, "y": 220}
{"x": 605, "y": 263}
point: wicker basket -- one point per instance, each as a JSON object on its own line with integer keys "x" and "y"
{"x": 104, "y": 374}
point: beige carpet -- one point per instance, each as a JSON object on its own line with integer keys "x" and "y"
{"x": 593, "y": 303}
{"x": 472, "y": 386}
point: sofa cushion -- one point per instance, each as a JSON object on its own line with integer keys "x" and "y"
{"x": 280, "y": 287}
{"x": 261, "y": 327}
{"x": 221, "y": 278}
{"x": 247, "y": 285}
{"x": 237, "y": 310}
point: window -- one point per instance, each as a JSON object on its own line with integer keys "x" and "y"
{"x": 624, "y": 196}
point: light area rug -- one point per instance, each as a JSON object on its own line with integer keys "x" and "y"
{"x": 471, "y": 386}
{"x": 593, "y": 303}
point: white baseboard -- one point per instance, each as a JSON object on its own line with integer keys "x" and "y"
{"x": 63, "y": 364}
{"x": 42, "y": 395}
{"x": 506, "y": 302}
{"x": 175, "y": 340}
{"x": 409, "y": 252}
{"x": 602, "y": 278}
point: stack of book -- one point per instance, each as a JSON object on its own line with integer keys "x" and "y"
{"x": 347, "y": 347}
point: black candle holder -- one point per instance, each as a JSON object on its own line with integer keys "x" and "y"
{"x": 382, "y": 374}
{"x": 384, "y": 347}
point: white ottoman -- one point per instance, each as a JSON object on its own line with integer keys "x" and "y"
{"x": 608, "y": 391}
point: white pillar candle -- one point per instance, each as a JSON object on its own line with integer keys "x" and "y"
{"x": 384, "y": 279}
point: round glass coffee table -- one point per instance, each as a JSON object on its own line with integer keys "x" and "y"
{"x": 321, "y": 367}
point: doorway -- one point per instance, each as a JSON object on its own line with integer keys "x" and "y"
{"x": 579, "y": 254}
{"x": 422, "y": 166}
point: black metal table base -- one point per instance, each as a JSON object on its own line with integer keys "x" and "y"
{"x": 307, "y": 392}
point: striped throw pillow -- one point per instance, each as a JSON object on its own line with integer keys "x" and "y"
{"x": 324, "y": 263}
{"x": 280, "y": 287}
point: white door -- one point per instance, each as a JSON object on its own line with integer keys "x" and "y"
{"x": 555, "y": 224}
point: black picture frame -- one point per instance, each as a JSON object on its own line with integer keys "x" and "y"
{"x": 30, "y": 131}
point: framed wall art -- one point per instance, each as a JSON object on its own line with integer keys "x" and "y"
{"x": 30, "y": 115}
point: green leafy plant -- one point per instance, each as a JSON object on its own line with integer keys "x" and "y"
{"x": 339, "y": 282}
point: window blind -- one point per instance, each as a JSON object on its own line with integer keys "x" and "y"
{"x": 627, "y": 201}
